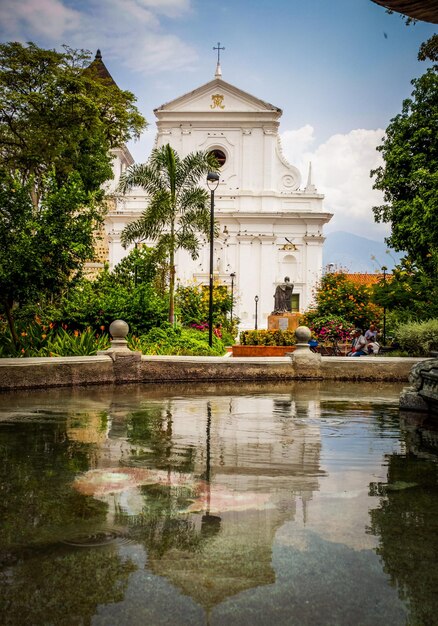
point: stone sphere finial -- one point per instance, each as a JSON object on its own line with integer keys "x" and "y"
{"x": 119, "y": 329}
{"x": 303, "y": 334}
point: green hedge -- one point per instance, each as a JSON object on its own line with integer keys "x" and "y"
{"x": 267, "y": 338}
{"x": 418, "y": 338}
{"x": 177, "y": 341}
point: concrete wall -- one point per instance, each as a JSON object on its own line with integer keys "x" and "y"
{"x": 28, "y": 373}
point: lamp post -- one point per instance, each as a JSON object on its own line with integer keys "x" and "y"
{"x": 232, "y": 276}
{"x": 212, "y": 182}
{"x": 256, "y": 300}
{"x": 384, "y": 270}
{"x": 135, "y": 261}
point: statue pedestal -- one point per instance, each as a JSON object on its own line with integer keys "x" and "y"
{"x": 284, "y": 321}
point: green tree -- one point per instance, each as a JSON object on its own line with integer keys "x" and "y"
{"x": 59, "y": 114}
{"x": 43, "y": 249}
{"x": 409, "y": 294}
{"x": 409, "y": 176}
{"x": 141, "y": 265}
{"x": 59, "y": 119}
{"x": 338, "y": 298}
{"x": 178, "y": 209}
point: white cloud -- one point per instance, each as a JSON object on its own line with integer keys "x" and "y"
{"x": 296, "y": 143}
{"x": 31, "y": 19}
{"x": 130, "y": 30}
{"x": 341, "y": 171}
{"x": 155, "y": 53}
{"x": 171, "y": 8}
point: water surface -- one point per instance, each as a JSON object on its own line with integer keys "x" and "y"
{"x": 299, "y": 503}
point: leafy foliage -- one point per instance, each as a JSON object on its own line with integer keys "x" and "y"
{"x": 39, "y": 340}
{"x": 177, "y": 341}
{"x": 58, "y": 114}
{"x": 429, "y": 49}
{"x": 59, "y": 120}
{"x": 43, "y": 249}
{"x": 418, "y": 338}
{"x": 267, "y": 338}
{"x": 328, "y": 327}
{"x": 192, "y": 302}
{"x": 98, "y": 303}
{"x": 409, "y": 177}
{"x": 142, "y": 265}
{"x": 410, "y": 293}
{"x": 340, "y": 299}
{"x": 178, "y": 210}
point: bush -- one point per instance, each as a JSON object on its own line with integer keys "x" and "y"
{"x": 96, "y": 305}
{"x": 177, "y": 341}
{"x": 37, "y": 340}
{"x": 418, "y": 338}
{"x": 337, "y": 296}
{"x": 267, "y": 338}
{"x": 192, "y": 304}
{"x": 328, "y": 327}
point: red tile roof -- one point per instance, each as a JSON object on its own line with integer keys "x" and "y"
{"x": 365, "y": 279}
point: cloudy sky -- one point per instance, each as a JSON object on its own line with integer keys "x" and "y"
{"x": 339, "y": 70}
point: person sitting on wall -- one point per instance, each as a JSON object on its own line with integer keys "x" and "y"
{"x": 371, "y": 333}
{"x": 371, "y": 337}
{"x": 359, "y": 344}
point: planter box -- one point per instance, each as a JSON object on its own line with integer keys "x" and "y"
{"x": 262, "y": 350}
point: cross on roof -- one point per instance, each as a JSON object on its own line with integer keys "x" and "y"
{"x": 218, "y": 48}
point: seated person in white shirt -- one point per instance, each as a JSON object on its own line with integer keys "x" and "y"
{"x": 359, "y": 344}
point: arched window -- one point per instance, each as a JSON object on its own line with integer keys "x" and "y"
{"x": 220, "y": 156}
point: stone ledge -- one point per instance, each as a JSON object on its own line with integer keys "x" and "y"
{"x": 28, "y": 373}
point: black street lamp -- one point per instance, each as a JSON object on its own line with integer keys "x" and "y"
{"x": 212, "y": 182}
{"x": 256, "y": 300}
{"x": 384, "y": 270}
{"x": 232, "y": 276}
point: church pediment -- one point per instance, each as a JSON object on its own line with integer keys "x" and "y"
{"x": 219, "y": 96}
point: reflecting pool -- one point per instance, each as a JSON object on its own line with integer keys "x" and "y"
{"x": 298, "y": 504}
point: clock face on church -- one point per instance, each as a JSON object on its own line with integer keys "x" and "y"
{"x": 220, "y": 156}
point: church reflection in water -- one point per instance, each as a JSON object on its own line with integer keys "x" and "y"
{"x": 177, "y": 503}
{"x": 225, "y": 473}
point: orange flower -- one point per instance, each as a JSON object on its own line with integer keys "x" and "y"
{"x": 76, "y": 333}
{"x": 43, "y": 336}
{"x": 102, "y": 327}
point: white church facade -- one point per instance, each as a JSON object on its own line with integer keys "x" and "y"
{"x": 270, "y": 226}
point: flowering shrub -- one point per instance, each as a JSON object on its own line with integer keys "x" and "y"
{"x": 267, "y": 338}
{"x": 37, "y": 339}
{"x": 338, "y": 297}
{"x": 328, "y": 328}
{"x": 192, "y": 302}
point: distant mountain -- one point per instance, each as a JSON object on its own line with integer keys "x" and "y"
{"x": 354, "y": 254}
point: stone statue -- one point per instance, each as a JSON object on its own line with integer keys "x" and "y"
{"x": 283, "y": 297}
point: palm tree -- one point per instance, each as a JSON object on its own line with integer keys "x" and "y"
{"x": 178, "y": 210}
